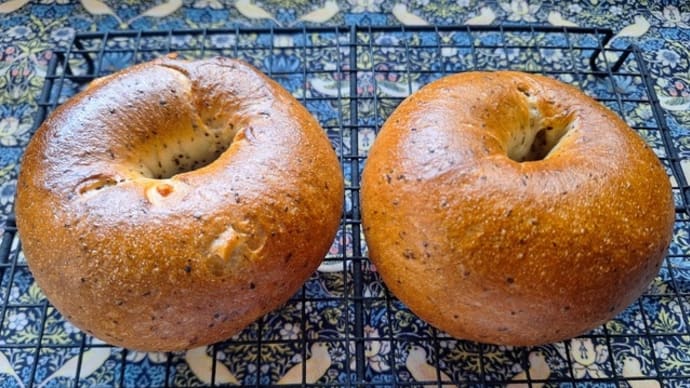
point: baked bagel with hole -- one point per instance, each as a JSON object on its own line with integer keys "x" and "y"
{"x": 513, "y": 209}
{"x": 173, "y": 203}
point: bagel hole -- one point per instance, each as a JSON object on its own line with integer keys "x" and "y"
{"x": 190, "y": 153}
{"x": 539, "y": 146}
{"x": 536, "y": 139}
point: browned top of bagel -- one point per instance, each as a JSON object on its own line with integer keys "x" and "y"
{"x": 511, "y": 208}
{"x": 173, "y": 203}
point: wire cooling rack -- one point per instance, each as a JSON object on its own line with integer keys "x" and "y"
{"x": 344, "y": 328}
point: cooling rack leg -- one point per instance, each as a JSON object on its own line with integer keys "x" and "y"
{"x": 90, "y": 66}
{"x": 7, "y": 231}
{"x": 593, "y": 59}
{"x": 616, "y": 66}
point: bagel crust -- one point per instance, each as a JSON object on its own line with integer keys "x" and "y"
{"x": 513, "y": 209}
{"x": 173, "y": 203}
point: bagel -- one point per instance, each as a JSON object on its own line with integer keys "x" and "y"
{"x": 513, "y": 209}
{"x": 173, "y": 203}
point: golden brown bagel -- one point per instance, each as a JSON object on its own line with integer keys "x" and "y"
{"x": 513, "y": 209}
{"x": 173, "y": 203}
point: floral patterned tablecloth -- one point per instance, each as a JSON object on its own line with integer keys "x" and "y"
{"x": 31, "y": 31}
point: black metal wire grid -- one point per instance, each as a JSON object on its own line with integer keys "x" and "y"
{"x": 351, "y": 79}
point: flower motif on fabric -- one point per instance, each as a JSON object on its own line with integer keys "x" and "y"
{"x": 675, "y": 95}
{"x": 574, "y": 8}
{"x": 17, "y": 321}
{"x": 154, "y": 357}
{"x": 615, "y": 10}
{"x": 375, "y": 350}
{"x": 520, "y": 10}
{"x": 11, "y": 129}
{"x": 671, "y": 16}
{"x": 360, "y": 6}
{"x": 214, "y": 4}
{"x": 290, "y": 331}
{"x": 661, "y": 350}
{"x": 18, "y": 33}
{"x": 62, "y": 34}
{"x": 667, "y": 57}
{"x": 223, "y": 40}
{"x": 70, "y": 328}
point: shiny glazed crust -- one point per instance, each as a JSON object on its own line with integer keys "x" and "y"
{"x": 141, "y": 254}
{"x": 485, "y": 241}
